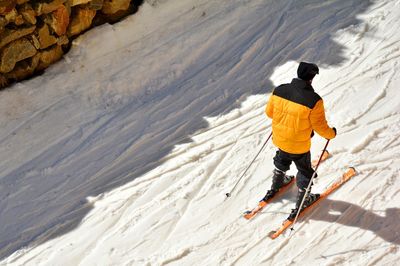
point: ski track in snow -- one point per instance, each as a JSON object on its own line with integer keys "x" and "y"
{"x": 121, "y": 154}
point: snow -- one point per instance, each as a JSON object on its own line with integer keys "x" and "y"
{"x": 121, "y": 153}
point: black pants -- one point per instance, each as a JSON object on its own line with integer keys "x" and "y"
{"x": 283, "y": 160}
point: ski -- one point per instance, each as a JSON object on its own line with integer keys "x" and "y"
{"x": 345, "y": 177}
{"x": 250, "y": 214}
{"x": 324, "y": 156}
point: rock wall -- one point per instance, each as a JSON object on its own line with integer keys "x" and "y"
{"x": 34, "y": 34}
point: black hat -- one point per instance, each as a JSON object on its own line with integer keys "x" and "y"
{"x": 307, "y": 71}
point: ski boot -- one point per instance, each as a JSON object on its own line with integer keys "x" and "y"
{"x": 279, "y": 180}
{"x": 310, "y": 199}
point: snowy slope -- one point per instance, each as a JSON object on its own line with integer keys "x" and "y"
{"x": 121, "y": 154}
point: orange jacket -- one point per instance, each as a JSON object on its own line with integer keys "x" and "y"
{"x": 296, "y": 110}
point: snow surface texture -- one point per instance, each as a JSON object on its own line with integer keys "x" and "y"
{"x": 121, "y": 154}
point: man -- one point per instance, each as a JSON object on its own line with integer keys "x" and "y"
{"x": 296, "y": 112}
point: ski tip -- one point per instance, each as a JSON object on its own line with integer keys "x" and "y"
{"x": 228, "y": 195}
{"x": 247, "y": 216}
{"x": 352, "y": 170}
{"x": 272, "y": 234}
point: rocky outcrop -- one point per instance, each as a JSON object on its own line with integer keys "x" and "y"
{"x": 6, "y": 6}
{"x": 59, "y": 20}
{"x": 49, "y": 56}
{"x": 113, "y": 6}
{"x": 45, "y": 7}
{"x": 9, "y": 35}
{"x": 14, "y": 52}
{"x": 36, "y": 33}
{"x": 81, "y": 20}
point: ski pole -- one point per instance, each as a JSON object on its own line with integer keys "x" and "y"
{"x": 265, "y": 143}
{"x": 309, "y": 186}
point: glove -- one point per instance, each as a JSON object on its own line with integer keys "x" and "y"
{"x": 334, "y": 129}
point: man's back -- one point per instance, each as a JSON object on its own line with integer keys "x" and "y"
{"x": 296, "y": 110}
{"x": 298, "y": 91}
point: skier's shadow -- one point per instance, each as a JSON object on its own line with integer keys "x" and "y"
{"x": 386, "y": 226}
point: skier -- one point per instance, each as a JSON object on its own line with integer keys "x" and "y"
{"x": 296, "y": 112}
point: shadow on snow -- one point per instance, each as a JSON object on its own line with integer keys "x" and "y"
{"x": 386, "y": 226}
{"x": 180, "y": 105}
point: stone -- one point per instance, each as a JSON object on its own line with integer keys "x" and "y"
{"x": 113, "y": 6}
{"x": 35, "y": 41}
{"x": 63, "y": 40}
{"x": 28, "y": 13}
{"x": 49, "y": 57}
{"x": 14, "y": 17}
{"x": 3, "y": 81}
{"x": 58, "y": 20}
{"x": 81, "y": 20}
{"x": 78, "y": 2}
{"x": 24, "y": 69}
{"x": 6, "y": 6}
{"x": 3, "y": 23}
{"x": 112, "y": 18}
{"x": 14, "y": 52}
{"x": 8, "y": 35}
{"x": 96, "y": 4}
{"x": 45, "y": 7}
{"x": 20, "y": 2}
{"x": 44, "y": 37}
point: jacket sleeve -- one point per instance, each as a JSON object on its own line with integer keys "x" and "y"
{"x": 270, "y": 107}
{"x": 318, "y": 121}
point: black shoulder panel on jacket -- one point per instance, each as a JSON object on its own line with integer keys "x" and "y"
{"x": 299, "y": 92}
